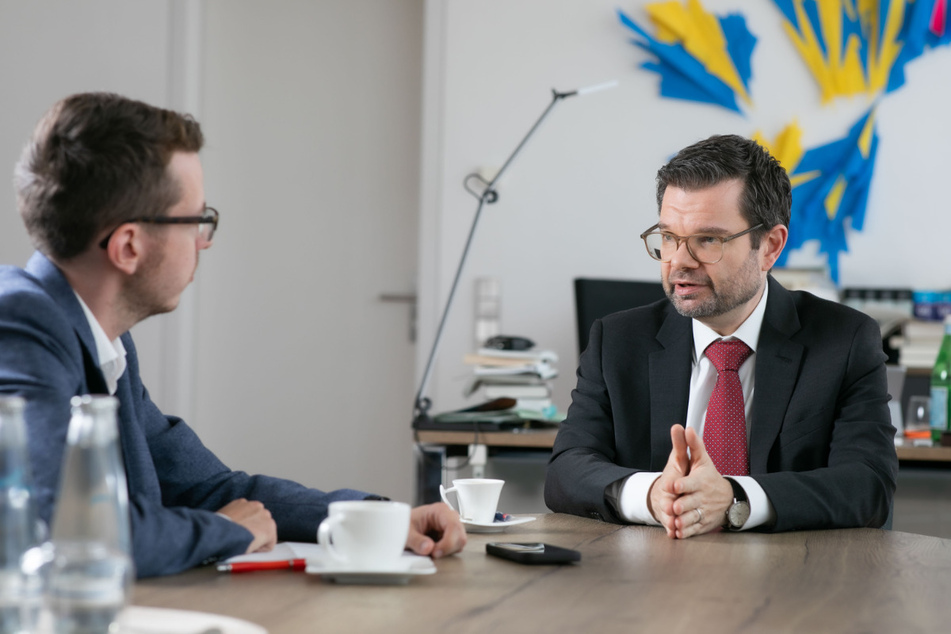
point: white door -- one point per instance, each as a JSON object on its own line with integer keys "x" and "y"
{"x": 312, "y": 119}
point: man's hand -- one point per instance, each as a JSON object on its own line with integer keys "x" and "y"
{"x": 662, "y": 496}
{"x": 703, "y": 488}
{"x": 435, "y": 530}
{"x": 257, "y": 519}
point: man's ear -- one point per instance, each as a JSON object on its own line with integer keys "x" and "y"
{"x": 126, "y": 249}
{"x": 772, "y": 245}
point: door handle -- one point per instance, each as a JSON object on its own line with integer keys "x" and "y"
{"x": 404, "y": 298}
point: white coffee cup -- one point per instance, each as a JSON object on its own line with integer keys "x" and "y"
{"x": 365, "y": 534}
{"x": 477, "y": 498}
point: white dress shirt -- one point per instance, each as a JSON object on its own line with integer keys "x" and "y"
{"x": 703, "y": 377}
{"x": 111, "y": 353}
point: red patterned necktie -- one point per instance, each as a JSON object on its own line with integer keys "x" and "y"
{"x": 724, "y": 429}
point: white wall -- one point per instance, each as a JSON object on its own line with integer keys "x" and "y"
{"x": 54, "y": 48}
{"x": 577, "y": 197}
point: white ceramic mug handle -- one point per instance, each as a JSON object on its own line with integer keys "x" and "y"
{"x": 444, "y": 494}
{"x": 324, "y": 536}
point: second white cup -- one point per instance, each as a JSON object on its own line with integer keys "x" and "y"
{"x": 477, "y": 498}
{"x": 365, "y": 535}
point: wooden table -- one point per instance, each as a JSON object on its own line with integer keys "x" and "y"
{"x": 630, "y": 579}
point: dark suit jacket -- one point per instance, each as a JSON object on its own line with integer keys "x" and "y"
{"x": 48, "y": 355}
{"x": 821, "y": 440}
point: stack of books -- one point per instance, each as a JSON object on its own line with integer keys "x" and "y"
{"x": 523, "y": 375}
{"x": 918, "y": 343}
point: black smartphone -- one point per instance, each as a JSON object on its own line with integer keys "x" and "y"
{"x": 532, "y": 553}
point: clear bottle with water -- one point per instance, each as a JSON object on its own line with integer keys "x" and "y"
{"x": 89, "y": 573}
{"x": 20, "y": 530}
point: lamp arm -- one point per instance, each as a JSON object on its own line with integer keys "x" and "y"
{"x": 487, "y": 195}
{"x": 555, "y": 98}
{"x": 422, "y": 405}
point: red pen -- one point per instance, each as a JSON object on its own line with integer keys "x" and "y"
{"x": 252, "y": 566}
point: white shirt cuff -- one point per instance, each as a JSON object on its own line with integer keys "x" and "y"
{"x": 633, "y": 498}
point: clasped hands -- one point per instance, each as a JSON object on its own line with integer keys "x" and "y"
{"x": 690, "y": 497}
{"x": 434, "y": 529}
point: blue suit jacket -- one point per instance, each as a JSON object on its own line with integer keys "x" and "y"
{"x": 821, "y": 440}
{"x": 48, "y": 355}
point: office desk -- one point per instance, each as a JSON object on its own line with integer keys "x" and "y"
{"x": 430, "y": 468}
{"x": 545, "y": 438}
{"x": 630, "y": 579}
{"x": 524, "y": 438}
{"x": 925, "y": 454}
{"x": 430, "y": 474}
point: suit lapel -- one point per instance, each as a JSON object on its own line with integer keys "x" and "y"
{"x": 53, "y": 280}
{"x": 669, "y": 376}
{"x": 777, "y": 365}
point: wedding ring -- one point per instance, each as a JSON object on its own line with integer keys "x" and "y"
{"x": 699, "y": 515}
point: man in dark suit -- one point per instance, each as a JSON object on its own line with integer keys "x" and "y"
{"x": 794, "y": 435}
{"x": 112, "y": 195}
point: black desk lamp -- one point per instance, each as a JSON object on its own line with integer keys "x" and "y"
{"x": 484, "y": 191}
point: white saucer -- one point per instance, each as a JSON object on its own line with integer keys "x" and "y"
{"x": 136, "y": 618}
{"x": 409, "y": 566}
{"x": 495, "y": 527}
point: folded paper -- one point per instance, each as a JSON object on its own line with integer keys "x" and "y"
{"x": 700, "y": 57}
{"x": 862, "y": 46}
{"x": 830, "y": 187}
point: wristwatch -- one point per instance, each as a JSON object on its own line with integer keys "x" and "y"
{"x": 738, "y": 512}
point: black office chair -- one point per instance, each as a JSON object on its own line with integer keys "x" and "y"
{"x": 597, "y": 298}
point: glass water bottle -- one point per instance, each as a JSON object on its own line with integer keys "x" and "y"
{"x": 90, "y": 573}
{"x": 941, "y": 387}
{"x": 19, "y": 528}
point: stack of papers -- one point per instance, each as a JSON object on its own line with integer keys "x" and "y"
{"x": 492, "y": 362}
{"x": 521, "y": 375}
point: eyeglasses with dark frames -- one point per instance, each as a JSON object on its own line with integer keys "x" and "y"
{"x": 207, "y": 224}
{"x": 704, "y": 248}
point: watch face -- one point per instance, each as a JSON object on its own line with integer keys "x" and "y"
{"x": 738, "y": 514}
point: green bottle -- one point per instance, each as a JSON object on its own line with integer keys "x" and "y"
{"x": 941, "y": 386}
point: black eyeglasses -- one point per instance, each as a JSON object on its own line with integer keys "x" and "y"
{"x": 207, "y": 224}
{"x": 707, "y": 249}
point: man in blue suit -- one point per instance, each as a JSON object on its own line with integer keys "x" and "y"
{"x": 111, "y": 192}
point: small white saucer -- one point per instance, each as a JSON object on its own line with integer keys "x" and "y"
{"x": 409, "y": 566}
{"x": 495, "y": 527}
{"x": 136, "y": 618}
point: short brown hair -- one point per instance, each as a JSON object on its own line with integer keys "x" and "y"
{"x": 96, "y": 160}
{"x": 767, "y": 193}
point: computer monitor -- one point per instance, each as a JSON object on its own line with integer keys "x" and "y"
{"x": 596, "y": 298}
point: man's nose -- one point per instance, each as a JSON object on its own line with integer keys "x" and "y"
{"x": 682, "y": 258}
